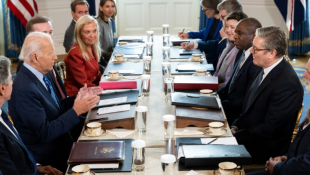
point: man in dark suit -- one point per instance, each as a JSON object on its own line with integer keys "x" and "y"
{"x": 233, "y": 93}
{"x": 15, "y": 157}
{"x": 272, "y": 103}
{"x": 79, "y": 8}
{"x": 42, "y": 120}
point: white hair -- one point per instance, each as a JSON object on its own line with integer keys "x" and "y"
{"x": 5, "y": 67}
{"x": 33, "y": 44}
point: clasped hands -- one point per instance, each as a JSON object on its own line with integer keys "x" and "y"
{"x": 272, "y": 162}
{"x": 86, "y": 99}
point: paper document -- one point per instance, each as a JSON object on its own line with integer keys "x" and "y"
{"x": 126, "y": 71}
{"x": 220, "y": 141}
{"x": 112, "y": 109}
{"x": 112, "y": 101}
{"x": 103, "y": 166}
{"x": 132, "y": 56}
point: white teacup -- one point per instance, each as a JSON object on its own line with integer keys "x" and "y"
{"x": 114, "y": 74}
{"x": 196, "y": 56}
{"x": 119, "y": 57}
{"x": 216, "y": 127}
{"x": 122, "y": 43}
{"x": 201, "y": 72}
{"x": 227, "y": 168}
{"x": 81, "y": 170}
{"x": 94, "y": 127}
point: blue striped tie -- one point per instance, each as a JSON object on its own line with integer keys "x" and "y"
{"x": 50, "y": 89}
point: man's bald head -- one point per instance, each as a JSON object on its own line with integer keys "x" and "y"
{"x": 251, "y": 24}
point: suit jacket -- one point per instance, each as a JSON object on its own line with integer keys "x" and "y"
{"x": 298, "y": 156}
{"x": 80, "y": 71}
{"x": 50, "y": 76}
{"x": 14, "y": 158}
{"x": 69, "y": 36}
{"x": 203, "y": 34}
{"x": 266, "y": 126}
{"x": 40, "y": 122}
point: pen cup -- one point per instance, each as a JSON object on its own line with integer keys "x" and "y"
{"x": 165, "y": 28}
{"x": 145, "y": 85}
{"x": 149, "y": 50}
{"x": 147, "y": 64}
{"x": 167, "y": 164}
{"x": 166, "y": 70}
{"x": 140, "y": 118}
{"x": 169, "y": 89}
{"x": 149, "y": 36}
{"x": 166, "y": 54}
{"x": 166, "y": 40}
{"x": 138, "y": 157}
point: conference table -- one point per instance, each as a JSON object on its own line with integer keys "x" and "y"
{"x": 157, "y": 107}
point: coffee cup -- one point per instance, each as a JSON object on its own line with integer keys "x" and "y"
{"x": 201, "y": 72}
{"x": 227, "y": 168}
{"x": 81, "y": 170}
{"x": 119, "y": 57}
{"x": 196, "y": 57}
{"x": 122, "y": 43}
{"x": 216, "y": 127}
{"x": 94, "y": 127}
{"x": 114, "y": 74}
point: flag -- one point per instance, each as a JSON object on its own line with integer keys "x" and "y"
{"x": 293, "y": 12}
{"x": 23, "y": 9}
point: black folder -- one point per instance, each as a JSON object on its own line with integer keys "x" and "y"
{"x": 191, "y": 69}
{"x": 192, "y": 100}
{"x": 132, "y": 97}
{"x": 138, "y": 67}
{"x": 126, "y": 166}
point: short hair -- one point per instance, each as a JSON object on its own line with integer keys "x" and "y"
{"x": 212, "y": 4}
{"x": 236, "y": 16}
{"x": 36, "y": 20}
{"x": 78, "y": 2}
{"x": 252, "y": 24}
{"x": 5, "y": 70}
{"x": 230, "y": 6}
{"x": 274, "y": 38}
{"x": 100, "y": 13}
{"x": 81, "y": 22}
{"x": 33, "y": 44}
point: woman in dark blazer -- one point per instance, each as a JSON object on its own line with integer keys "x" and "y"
{"x": 82, "y": 60}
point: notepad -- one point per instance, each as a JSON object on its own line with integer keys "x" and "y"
{"x": 220, "y": 141}
{"x": 113, "y": 109}
{"x": 103, "y": 166}
{"x": 112, "y": 101}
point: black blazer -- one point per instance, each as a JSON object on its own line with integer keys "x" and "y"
{"x": 14, "y": 158}
{"x": 266, "y": 127}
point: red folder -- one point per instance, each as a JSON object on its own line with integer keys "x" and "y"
{"x": 196, "y": 82}
{"x": 118, "y": 84}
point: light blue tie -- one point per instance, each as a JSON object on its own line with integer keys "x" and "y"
{"x": 50, "y": 89}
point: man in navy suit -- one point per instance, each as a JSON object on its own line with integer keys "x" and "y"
{"x": 271, "y": 105}
{"x": 15, "y": 157}
{"x": 42, "y": 120}
{"x": 233, "y": 93}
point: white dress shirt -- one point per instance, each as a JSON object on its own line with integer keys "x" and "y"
{"x": 2, "y": 121}
{"x": 268, "y": 69}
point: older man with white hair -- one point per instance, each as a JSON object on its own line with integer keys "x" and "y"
{"x": 42, "y": 120}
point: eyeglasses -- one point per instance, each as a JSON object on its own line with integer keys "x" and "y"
{"x": 255, "y": 49}
{"x": 204, "y": 10}
{"x": 223, "y": 17}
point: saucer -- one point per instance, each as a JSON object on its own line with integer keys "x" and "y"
{"x": 109, "y": 79}
{"x": 191, "y": 59}
{"x": 201, "y": 76}
{"x": 87, "y": 133}
{"x": 116, "y": 61}
{"x": 207, "y": 131}
{"x": 217, "y": 172}
{"x": 92, "y": 173}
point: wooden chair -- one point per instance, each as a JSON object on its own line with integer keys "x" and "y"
{"x": 61, "y": 69}
{"x": 297, "y": 122}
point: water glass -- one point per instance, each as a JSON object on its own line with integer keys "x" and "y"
{"x": 166, "y": 40}
{"x": 165, "y": 28}
{"x": 169, "y": 124}
{"x": 169, "y": 89}
{"x": 166, "y": 70}
{"x": 145, "y": 85}
{"x": 147, "y": 64}
{"x": 138, "y": 157}
{"x": 140, "y": 118}
{"x": 166, "y": 54}
{"x": 149, "y": 36}
{"x": 167, "y": 164}
{"x": 149, "y": 48}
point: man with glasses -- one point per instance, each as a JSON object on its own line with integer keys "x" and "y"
{"x": 271, "y": 105}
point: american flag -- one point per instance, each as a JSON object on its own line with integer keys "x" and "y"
{"x": 23, "y": 9}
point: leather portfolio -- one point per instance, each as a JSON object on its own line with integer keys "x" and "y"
{"x": 126, "y": 68}
{"x": 131, "y": 84}
{"x": 131, "y": 97}
{"x": 175, "y": 71}
{"x": 125, "y": 166}
{"x": 193, "y": 100}
{"x": 196, "y": 82}
{"x": 97, "y": 152}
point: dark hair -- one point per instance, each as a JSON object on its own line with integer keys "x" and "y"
{"x": 237, "y": 16}
{"x": 36, "y": 20}
{"x": 230, "y": 6}
{"x": 211, "y": 4}
{"x": 100, "y": 13}
{"x": 78, "y": 2}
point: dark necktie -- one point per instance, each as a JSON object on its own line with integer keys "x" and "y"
{"x": 58, "y": 86}
{"x": 9, "y": 124}
{"x": 236, "y": 71}
{"x": 303, "y": 123}
{"x": 254, "y": 87}
{"x": 50, "y": 89}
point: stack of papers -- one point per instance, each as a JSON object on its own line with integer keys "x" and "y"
{"x": 113, "y": 109}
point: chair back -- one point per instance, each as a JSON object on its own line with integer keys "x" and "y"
{"x": 297, "y": 122}
{"x": 61, "y": 69}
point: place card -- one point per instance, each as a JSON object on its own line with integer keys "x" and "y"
{"x": 112, "y": 101}
{"x": 103, "y": 166}
{"x": 113, "y": 109}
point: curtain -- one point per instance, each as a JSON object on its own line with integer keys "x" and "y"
{"x": 202, "y": 19}
{"x": 14, "y": 32}
{"x": 92, "y": 7}
{"x": 299, "y": 40}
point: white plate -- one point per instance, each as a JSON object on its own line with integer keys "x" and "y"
{"x": 109, "y": 79}
{"x": 207, "y": 131}
{"x": 201, "y": 60}
{"x": 87, "y": 133}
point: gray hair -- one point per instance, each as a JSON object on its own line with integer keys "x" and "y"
{"x": 33, "y": 44}
{"x": 5, "y": 70}
{"x": 274, "y": 39}
{"x": 230, "y": 6}
{"x": 211, "y": 4}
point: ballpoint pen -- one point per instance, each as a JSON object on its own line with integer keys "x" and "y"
{"x": 212, "y": 141}
{"x": 183, "y": 31}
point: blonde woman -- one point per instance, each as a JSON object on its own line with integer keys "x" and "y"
{"x": 82, "y": 60}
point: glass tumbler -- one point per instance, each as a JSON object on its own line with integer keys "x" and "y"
{"x": 138, "y": 157}
{"x": 169, "y": 88}
{"x": 149, "y": 50}
{"x": 150, "y": 36}
{"x": 145, "y": 85}
{"x": 169, "y": 124}
{"x": 147, "y": 64}
{"x": 165, "y": 28}
{"x": 167, "y": 164}
{"x": 166, "y": 70}
{"x": 166, "y": 54}
{"x": 140, "y": 118}
{"x": 166, "y": 40}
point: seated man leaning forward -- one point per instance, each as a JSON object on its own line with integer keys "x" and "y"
{"x": 42, "y": 120}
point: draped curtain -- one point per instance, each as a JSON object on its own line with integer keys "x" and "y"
{"x": 299, "y": 39}
{"x": 92, "y": 7}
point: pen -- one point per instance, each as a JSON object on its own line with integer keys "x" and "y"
{"x": 212, "y": 141}
{"x": 183, "y": 30}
